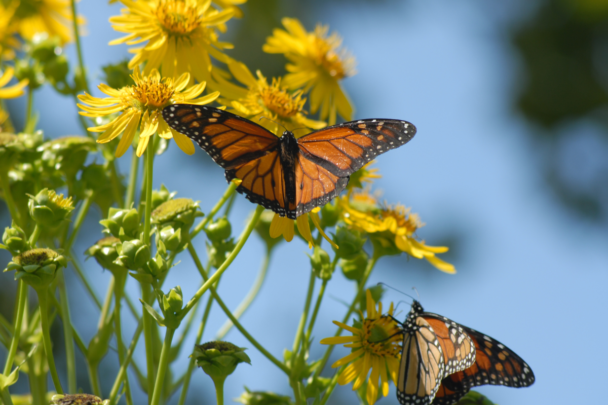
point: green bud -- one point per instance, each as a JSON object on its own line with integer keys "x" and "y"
{"x": 263, "y": 229}
{"x": 180, "y": 211}
{"x": 321, "y": 263}
{"x": 263, "y": 398}
{"x": 23, "y": 70}
{"x": 474, "y": 398}
{"x": 122, "y": 223}
{"x": 350, "y": 242}
{"x": 219, "y": 359}
{"x": 354, "y": 269}
{"x": 10, "y": 150}
{"x": 45, "y": 49}
{"x": 117, "y": 75}
{"x": 49, "y": 209}
{"x": 157, "y": 266}
{"x": 105, "y": 252}
{"x": 173, "y": 301}
{"x": 219, "y": 251}
{"x": 37, "y": 267}
{"x": 171, "y": 238}
{"x": 76, "y": 399}
{"x": 56, "y": 69}
{"x": 219, "y": 230}
{"x": 134, "y": 254}
{"x": 67, "y": 154}
{"x": 80, "y": 79}
{"x": 330, "y": 214}
{"x": 384, "y": 244}
{"x": 161, "y": 196}
{"x": 15, "y": 240}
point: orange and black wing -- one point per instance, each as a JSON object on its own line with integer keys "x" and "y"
{"x": 230, "y": 140}
{"x": 345, "y": 148}
{"x": 263, "y": 182}
{"x": 495, "y": 364}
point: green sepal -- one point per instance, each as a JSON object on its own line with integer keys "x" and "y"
{"x": 159, "y": 319}
{"x": 7, "y": 381}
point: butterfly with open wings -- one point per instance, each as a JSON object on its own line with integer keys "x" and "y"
{"x": 442, "y": 360}
{"x": 287, "y": 175}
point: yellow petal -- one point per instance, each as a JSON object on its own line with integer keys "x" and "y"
{"x": 142, "y": 145}
{"x": 127, "y": 136}
{"x": 183, "y": 142}
{"x": 441, "y": 265}
{"x": 304, "y": 229}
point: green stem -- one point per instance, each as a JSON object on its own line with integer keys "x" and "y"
{"x": 83, "y": 279}
{"x": 315, "y": 311}
{"x": 82, "y": 213}
{"x": 163, "y": 365}
{"x": 148, "y": 324}
{"x": 94, "y": 379}
{"x": 219, "y": 390}
{"x": 231, "y": 187}
{"x": 295, "y": 386}
{"x": 119, "y": 286}
{"x": 28, "y": 111}
{"x": 34, "y": 236}
{"x": 251, "y": 295}
{"x": 70, "y": 355}
{"x": 220, "y": 302}
{"x": 6, "y": 397}
{"x": 148, "y": 208}
{"x": 78, "y": 46}
{"x": 123, "y": 367}
{"x": 351, "y": 309}
{"x": 239, "y": 245}
{"x": 132, "y": 180}
{"x": 116, "y": 186}
{"x": 331, "y": 386}
{"x": 8, "y": 197}
{"x": 304, "y": 317}
{"x": 46, "y": 336}
{"x": 21, "y": 301}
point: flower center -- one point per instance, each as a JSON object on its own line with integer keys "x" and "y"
{"x": 28, "y": 8}
{"x": 149, "y": 92}
{"x": 410, "y": 222}
{"x": 278, "y": 100}
{"x": 381, "y": 337}
{"x": 178, "y": 17}
{"x": 337, "y": 64}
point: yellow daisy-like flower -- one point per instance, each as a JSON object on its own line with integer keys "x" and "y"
{"x": 283, "y": 226}
{"x": 317, "y": 64}
{"x": 393, "y": 223}
{"x": 11, "y": 91}
{"x": 270, "y": 105}
{"x": 51, "y": 16}
{"x": 8, "y": 28}
{"x": 140, "y": 106}
{"x": 376, "y": 345}
{"x": 180, "y": 35}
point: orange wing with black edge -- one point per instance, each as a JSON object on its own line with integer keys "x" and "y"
{"x": 345, "y": 148}
{"x": 229, "y": 139}
{"x": 495, "y": 364}
{"x": 263, "y": 182}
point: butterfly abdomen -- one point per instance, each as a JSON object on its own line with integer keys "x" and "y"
{"x": 289, "y": 157}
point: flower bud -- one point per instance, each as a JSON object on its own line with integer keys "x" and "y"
{"x": 37, "y": 267}
{"x": 44, "y": 49}
{"x": 105, "y": 252}
{"x": 219, "y": 359}
{"x": 49, "y": 209}
{"x": 350, "y": 242}
{"x": 75, "y": 399}
{"x": 330, "y": 214}
{"x": 117, "y": 75}
{"x": 180, "y": 211}
{"x": 161, "y": 196}
{"x": 80, "y": 79}
{"x": 263, "y": 398}
{"x": 122, "y": 223}
{"x": 354, "y": 269}
{"x": 171, "y": 238}
{"x": 263, "y": 229}
{"x": 10, "y": 149}
{"x": 67, "y": 154}
{"x": 219, "y": 230}
{"x": 321, "y": 263}
{"x": 33, "y": 74}
{"x": 56, "y": 70}
{"x": 134, "y": 254}
{"x": 14, "y": 240}
{"x": 173, "y": 301}
{"x": 219, "y": 251}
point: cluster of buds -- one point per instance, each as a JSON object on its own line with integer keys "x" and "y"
{"x": 220, "y": 243}
{"x": 350, "y": 242}
{"x": 321, "y": 263}
{"x": 14, "y": 240}
{"x": 10, "y": 149}
{"x": 67, "y": 154}
{"x": 173, "y": 220}
{"x": 123, "y": 224}
{"x": 37, "y": 267}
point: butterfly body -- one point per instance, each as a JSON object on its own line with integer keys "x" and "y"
{"x": 442, "y": 360}
{"x": 288, "y": 175}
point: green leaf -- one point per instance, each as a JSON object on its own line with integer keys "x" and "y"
{"x": 159, "y": 319}
{"x": 7, "y": 381}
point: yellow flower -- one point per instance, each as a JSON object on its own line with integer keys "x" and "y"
{"x": 270, "y": 105}
{"x": 363, "y": 177}
{"x": 8, "y": 42}
{"x": 141, "y": 106}
{"x": 180, "y": 35}
{"x": 51, "y": 16}
{"x": 283, "y": 226}
{"x": 376, "y": 344}
{"x": 317, "y": 64}
{"x": 11, "y": 91}
{"x": 394, "y": 224}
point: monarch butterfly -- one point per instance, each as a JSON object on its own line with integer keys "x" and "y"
{"x": 287, "y": 175}
{"x": 442, "y": 360}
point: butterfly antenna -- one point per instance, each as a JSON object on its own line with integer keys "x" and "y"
{"x": 399, "y": 291}
{"x": 414, "y": 288}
